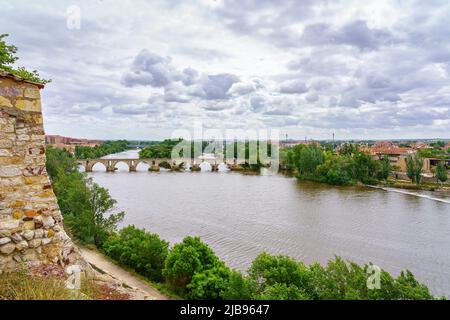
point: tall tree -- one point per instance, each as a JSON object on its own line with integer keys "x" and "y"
{"x": 385, "y": 169}
{"x": 441, "y": 172}
{"x": 414, "y": 165}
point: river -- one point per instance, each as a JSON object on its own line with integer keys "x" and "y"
{"x": 240, "y": 216}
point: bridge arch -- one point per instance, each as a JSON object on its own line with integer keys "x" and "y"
{"x": 96, "y": 166}
{"x": 122, "y": 165}
{"x": 142, "y": 165}
{"x": 206, "y": 166}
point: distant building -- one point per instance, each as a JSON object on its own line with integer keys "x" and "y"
{"x": 396, "y": 155}
{"x": 68, "y": 143}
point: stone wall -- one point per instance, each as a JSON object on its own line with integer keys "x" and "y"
{"x": 31, "y": 224}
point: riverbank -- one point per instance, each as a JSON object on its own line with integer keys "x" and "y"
{"x": 134, "y": 285}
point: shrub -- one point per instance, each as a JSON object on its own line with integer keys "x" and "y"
{"x": 283, "y": 291}
{"x": 209, "y": 284}
{"x": 267, "y": 270}
{"x": 144, "y": 252}
{"x": 239, "y": 287}
{"x": 185, "y": 259}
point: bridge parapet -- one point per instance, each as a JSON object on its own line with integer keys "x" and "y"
{"x": 156, "y": 163}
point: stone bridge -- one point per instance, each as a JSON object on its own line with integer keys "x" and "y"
{"x": 157, "y": 163}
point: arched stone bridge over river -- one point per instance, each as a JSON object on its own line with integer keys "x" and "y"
{"x": 156, "y": 164}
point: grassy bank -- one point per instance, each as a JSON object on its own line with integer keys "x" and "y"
{"x": 49, "y": 283}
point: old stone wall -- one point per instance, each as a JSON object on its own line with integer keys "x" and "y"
{"x": 31, "y": 224}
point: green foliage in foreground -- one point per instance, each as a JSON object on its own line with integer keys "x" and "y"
{"x": 85, "y": 205}
{"x": 143, "y": 251}
{"x": 185, "y": 260}
{"x": 104, "y": 149}
{"x": 193, "y": 271}
{"x": 8, "y": 58}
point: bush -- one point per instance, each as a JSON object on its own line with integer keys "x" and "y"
{"x": 282, "y": 291}
{"x": 238, "y": 288}
{"x": 209, "y": 284}
{"x": 267, "y": 270}
{"x": 340, "y": 280}
{"x": 185, "y": 259}
{"x": 144, "y": 252}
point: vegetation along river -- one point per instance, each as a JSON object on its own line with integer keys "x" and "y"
{"x": 241, "y": 215}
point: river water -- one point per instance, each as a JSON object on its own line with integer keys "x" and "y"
{"x": 240, "y": 216}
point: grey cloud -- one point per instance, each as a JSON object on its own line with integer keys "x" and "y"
{"x": 242, "y": 88}
{"x": 189, "y": 76}
{"x": 130, "y": 109}
{"x": 312, "y": 97}
{"x": 257, "y": 103}
{"x": 217, "y": 106}
{"x": 293, "y": 86}
{"x": 217, "y": 86}
{"x": 150, "y": 69}
{"x": 355, "y": 33}
{"x": 377, "y": 81}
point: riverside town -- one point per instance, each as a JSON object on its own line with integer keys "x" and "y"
{"x": 216, "y": 159}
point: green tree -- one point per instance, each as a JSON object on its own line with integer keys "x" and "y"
{"x": 144, "y": 252}
{"x": 268, "y": 270}
{"x": 239, "y": 287}
{"x": 59, "y": 160}
{"x": 86, "y": 207}
{"x": 185, "y": 259}
{"x": 385, "y": 169}
{"x": 365, "y": 169}
{"x": 283, "y": 291}
{"x": 414, "y": 165}
{"x": 7, "y": 52}
{"x": 107, "y": 147}
{"x": 307, "y": 158}
{"x": 336, "y": 170}
{"x": 348, "y": 149}
{"x": 210, "y": 283}
{"x": 441, "y": 172}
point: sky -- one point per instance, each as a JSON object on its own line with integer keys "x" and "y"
{"x": 308, "y": 68}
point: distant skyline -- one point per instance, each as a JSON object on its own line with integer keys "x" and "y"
{"x": 140, "y": 69}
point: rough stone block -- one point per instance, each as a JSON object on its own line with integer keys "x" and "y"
{"x": 9, "y": 224}
{"x": 28, "y": 225}
{"x": 5, "y": 102}
{"x": 9, "y": 171}
{"x": 28, "y": 234}
{"x": 7, "y": 248}
{"x": 4, "y": 241}
{"x": 32, "y": 93}
{"x": 29, "y": 105}
{"x": 5, "y": 153}
{"x": 22, "y": 245}
{"x": 34, "y": 243}
{"x": 5, "y": 233}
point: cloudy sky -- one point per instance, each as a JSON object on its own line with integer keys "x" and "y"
{"x": 140, "y": 69}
